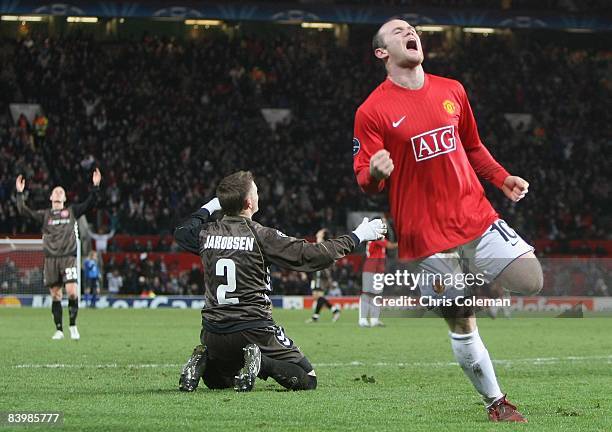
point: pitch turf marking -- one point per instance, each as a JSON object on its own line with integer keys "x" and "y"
{"x": 533, "y": 361}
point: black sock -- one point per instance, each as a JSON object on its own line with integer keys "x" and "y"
{"x": 322, "y": 301}
{"x": 328, "y": 304}
{"x": 289, "y": 375}
{"x": 73, "y": 310}
{"x": 56, "y": 310}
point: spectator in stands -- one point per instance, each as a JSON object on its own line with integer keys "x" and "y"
{"x": 114, "y": 281}
{"x": 196, "y": 280}
{"x": 41, "y": 122}
{"x": 101, "y": 240}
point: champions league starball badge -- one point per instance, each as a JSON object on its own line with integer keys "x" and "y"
{"x": 356, "y": 146}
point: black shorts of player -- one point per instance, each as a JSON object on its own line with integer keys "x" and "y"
{"x": 92, "y": 284}
{"x": 59, "y": 270}
{"x": 226, "y": 357}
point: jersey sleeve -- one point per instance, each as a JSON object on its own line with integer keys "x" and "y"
{"x": 23, "y": 209}
{"x": 367, "y": 141}
{"x": 298, "y": 254}
{"x": 81, "y": 208}
{"x": 187, "y": 234}
{"x": 481, "y": 160}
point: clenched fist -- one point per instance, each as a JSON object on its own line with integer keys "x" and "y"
{"x": 381, "y": 165}
{"x": 20, "y": 183}
{"x": 515, "y": 188}
{"x": 96, "y": 177}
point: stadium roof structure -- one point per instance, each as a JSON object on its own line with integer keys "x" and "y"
{"x": 297, "y": 13}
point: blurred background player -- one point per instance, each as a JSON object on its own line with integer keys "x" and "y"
{"x": 60, "y": 247}
{"x": 321, "y": 283}
{"x": 240, "y": 340}
{"x": 375, "y": 262}
{"x": 425, "y": 125}
{"x": 92, "y": 279}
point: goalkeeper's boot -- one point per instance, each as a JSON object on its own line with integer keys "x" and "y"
{"x": 58, "y": 335}
{"x": 74, "y": 333}
{"x": 245, "y": 381}
{"x": 503, "y": 411}
{"x": 193, "y": 369}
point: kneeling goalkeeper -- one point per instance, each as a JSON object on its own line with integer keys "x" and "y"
{"x": 240, "y": 340}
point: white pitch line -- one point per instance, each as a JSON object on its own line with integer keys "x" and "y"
{"x": 96, "y": 366}
{"x": 534, "y": 361}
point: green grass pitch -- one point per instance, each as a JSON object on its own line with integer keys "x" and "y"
{"x": 123, "y": 373}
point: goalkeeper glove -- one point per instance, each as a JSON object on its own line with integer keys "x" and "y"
{"x": 370, "y": 230}
{"x": 212, "y": 206}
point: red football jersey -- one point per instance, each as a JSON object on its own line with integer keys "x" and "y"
{"x": 377, "y": 249}
{"x": 436, "y": 199}
{"x": 376, "y": 252}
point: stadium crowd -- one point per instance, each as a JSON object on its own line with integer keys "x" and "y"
{"x": 523, "y": 5}
{"x": 165, "y": 120}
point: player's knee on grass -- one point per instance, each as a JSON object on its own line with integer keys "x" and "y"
{"x": 524, "y": 275}
{"x": 292, "y": 376}
{"x": 310, "y": 382}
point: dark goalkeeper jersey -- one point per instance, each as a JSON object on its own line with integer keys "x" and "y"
{"x": 58, "y": 226}
{"x": 236, "y": 253}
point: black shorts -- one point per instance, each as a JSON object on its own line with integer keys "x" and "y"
{"x": 225, "y": 349}
{"x": 59, "y": 270}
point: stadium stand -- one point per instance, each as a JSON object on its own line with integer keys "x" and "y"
{"x": 166, "y": 119}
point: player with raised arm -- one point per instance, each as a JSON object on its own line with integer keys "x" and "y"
{"x": 416, "y": 136}
{"x": 60, "y": 247}
{"x": 240, "y": 340}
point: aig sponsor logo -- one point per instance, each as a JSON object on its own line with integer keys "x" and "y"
{"x": 434, "y": 143}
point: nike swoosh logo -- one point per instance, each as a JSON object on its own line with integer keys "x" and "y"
{"x": 397, "y": 123}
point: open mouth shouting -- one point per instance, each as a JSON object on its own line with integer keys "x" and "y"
{"x": 411, "y": 44}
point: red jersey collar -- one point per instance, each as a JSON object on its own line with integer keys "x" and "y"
{"x": 420, "y": 92}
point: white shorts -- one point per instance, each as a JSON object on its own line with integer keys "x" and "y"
{"x": 369, "y": 284}
{"x": 446, "y": 273}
